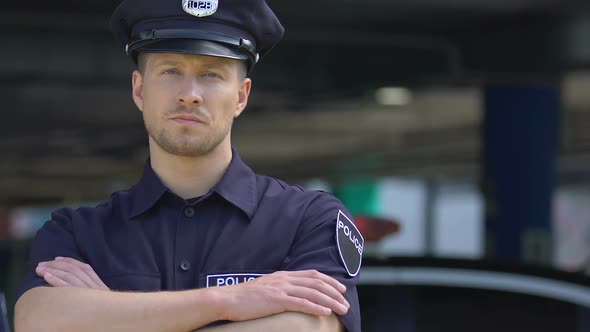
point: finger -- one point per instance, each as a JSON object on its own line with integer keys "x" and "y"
{"x": 102, "y": 285}
{"x": 318, "y": 275}
{"x": 321, "y": 286}
{"x": 70, "y": 278}
{"x": 73, "y": 269}
{"x": 306, "y": 306}
{"x": 87, "y": 269}
{"x": 40, "y": 270}
{"x": 55, "y": 281}
{"x": 318, "y": 298}
{"x": 65, "y": 268}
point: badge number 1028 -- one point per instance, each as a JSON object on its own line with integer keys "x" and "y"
{"x": 199, "y": 5}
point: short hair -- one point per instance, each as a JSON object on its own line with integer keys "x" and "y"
{"x": 142, "y": 61}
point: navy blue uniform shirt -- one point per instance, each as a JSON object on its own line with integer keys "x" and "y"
{"x": 149, "y": 239}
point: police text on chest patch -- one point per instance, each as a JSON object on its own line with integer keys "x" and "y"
{"x": 216, "y": 280}
{"x": 350, "y": 244}
{"x": 200, "y": 8}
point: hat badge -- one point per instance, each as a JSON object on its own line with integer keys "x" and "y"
{"x": 200, "y": 8}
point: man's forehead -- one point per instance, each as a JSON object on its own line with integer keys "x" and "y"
{"x": 157, "y": 59}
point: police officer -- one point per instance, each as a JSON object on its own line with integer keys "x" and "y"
{"x": 200, "y": 241}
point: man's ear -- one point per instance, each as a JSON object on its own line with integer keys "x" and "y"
{"x": 137, "y": 89}
{"x": 243, "y": 94}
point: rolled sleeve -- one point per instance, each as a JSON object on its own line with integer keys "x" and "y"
{"x": 315, "y": 247}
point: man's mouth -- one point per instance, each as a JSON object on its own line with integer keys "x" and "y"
{"x": 189, "y": 119}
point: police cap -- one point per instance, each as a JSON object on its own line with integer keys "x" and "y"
{"x": 237, "y": 29}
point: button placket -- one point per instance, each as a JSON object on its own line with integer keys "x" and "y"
{"x": 186, "y": 231}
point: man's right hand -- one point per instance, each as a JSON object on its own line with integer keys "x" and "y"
{"x": 309, "y": 292}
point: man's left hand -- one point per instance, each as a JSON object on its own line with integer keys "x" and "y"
{"x": 68, "y": 272}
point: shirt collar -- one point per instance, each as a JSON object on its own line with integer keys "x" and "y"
{"x": 237, "y": 186}
{"x": 147, "y": 191}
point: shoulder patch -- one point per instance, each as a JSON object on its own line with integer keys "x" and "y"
{"x": 350, "y": 244}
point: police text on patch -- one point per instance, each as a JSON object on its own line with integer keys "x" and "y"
{"x": 217, "y": 280}
{"x": 351, "y": 236}
{"x": 350, "y": 244}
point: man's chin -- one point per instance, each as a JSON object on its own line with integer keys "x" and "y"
{"x": 188, "y": 150}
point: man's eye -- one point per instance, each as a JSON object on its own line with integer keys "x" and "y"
{"x": 170, "y": 71}
{"x": 212, "y": 75}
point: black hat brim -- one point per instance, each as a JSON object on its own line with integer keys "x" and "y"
{"x": 189, "y": 46}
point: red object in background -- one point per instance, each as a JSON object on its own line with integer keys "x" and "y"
{"x": 374, "y": 229}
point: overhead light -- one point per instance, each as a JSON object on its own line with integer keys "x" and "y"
{"x": 393, "y": 96}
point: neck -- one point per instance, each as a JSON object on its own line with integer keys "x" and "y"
{"x": 190, "y": 177}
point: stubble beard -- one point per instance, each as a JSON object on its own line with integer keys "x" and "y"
{"x": 184, "y": 143}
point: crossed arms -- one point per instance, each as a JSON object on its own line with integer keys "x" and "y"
{"x": 80, "y": 301}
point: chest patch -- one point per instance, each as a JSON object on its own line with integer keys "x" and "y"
{"x": 216, "y": 280}
{"x": 350, "y": 244}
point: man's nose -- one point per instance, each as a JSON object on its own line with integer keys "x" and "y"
{"x": 190, "y": 93}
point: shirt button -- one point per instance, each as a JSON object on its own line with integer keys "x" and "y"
{"x": 189, "y": 212}
{"x": 185, "y": 265}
